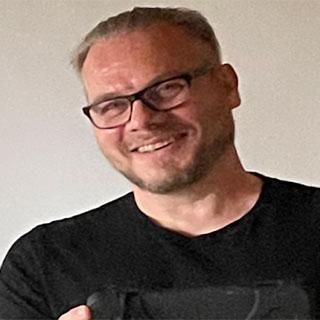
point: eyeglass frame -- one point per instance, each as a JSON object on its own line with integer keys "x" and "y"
{"x": 188, "y": 77}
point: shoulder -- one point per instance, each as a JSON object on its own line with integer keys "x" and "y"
{"x": 108, "y": 213}
{"x": 289, "y": 191}
{"x": 108, "y": 220}
{"x": 292, "y": 200}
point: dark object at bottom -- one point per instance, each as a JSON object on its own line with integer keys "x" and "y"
{"x": 272, "y": 300}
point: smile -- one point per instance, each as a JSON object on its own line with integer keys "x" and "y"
{"x": 154, "y": 146}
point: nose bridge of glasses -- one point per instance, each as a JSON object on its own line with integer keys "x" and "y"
{"x": 139, "y": 96}
{"x": 141, "y": 113}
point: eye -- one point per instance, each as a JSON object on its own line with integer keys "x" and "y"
{"x": 170, "y": 89}
{"x": 111, "y": 107}
{"x": 166, "y": 90}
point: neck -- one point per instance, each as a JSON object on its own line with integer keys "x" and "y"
{"x": 225, "y": 195}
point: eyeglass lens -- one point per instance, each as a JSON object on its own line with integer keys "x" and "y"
{"x": 162, "y": 96}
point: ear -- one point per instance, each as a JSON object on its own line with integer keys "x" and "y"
{"x": 229, "y": 79}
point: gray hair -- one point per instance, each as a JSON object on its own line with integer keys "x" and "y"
{"x": 191, "y": 21}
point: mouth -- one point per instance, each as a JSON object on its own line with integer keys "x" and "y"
{"x": 156, "y": 145}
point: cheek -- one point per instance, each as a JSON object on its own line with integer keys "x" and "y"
{"x": 109, "y": 141}
{"x": 208, "y": 116}
{"x": 196, "y": 112}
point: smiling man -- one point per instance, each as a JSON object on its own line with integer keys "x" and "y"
{"x": 199, "y": 237}
{"x": 175, "y": 127}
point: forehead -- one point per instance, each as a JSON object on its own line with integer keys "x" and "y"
{"x": 130, "y": 59}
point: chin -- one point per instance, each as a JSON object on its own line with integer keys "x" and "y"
{"x": 179, "y": 172}
{"x": 166, "y": 182}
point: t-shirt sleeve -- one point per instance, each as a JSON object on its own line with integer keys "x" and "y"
{"x": 21, "y": 292}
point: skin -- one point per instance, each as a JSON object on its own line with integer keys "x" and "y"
{"x": 196, "y": 184}
{"x": 78, "y": 313}
{"x": 111, "y": 67}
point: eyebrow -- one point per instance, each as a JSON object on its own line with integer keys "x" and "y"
{"x": 159, "y": 78}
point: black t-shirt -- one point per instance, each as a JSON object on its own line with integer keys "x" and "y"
{"x": 265, "y": 265}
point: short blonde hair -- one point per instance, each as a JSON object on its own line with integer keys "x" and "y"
{"x": 191, "y": 21}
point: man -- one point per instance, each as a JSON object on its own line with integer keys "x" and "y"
{"x": 199, "y": 237}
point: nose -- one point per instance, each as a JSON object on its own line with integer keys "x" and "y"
{"x": 142, "y": 116}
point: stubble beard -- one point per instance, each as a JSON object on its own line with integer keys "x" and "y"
{"x": 205, "y": 158}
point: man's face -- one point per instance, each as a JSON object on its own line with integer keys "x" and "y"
{"x": 162, "y": 152}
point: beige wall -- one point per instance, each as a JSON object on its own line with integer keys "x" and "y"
{"x": 50, "y": 166}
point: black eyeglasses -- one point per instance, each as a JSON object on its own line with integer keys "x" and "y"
{"x": 161, "y": 96}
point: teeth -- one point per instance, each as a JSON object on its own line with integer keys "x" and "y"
{"x": 155, "y": 146}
